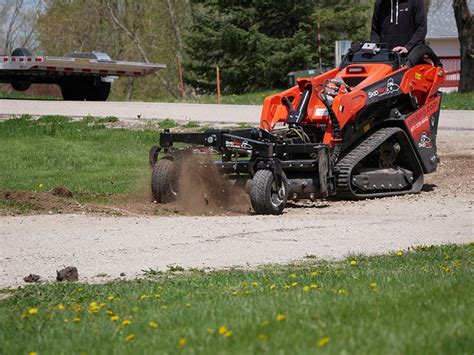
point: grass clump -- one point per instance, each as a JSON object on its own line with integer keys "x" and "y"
{"x": 99, "y": 120}
{"x": 409, "y": 302}
{"x": 168, "y": 123}
{"x": 191, "y": 124}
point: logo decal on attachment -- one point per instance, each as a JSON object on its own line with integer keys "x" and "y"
{"x": 425, "y": 141}
{"x": 238, "y": 145}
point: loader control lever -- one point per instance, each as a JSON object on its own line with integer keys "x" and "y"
{"x": 296, "y": 116}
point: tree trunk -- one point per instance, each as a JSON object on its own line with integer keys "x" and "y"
{"x": 464, "y": 20}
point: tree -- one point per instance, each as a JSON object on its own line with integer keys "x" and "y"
{"x": 257, "y": 42}
{"x": 17, "y": 20}
{"x": 342, "y": 23}
{"x": 253, "y": 42}
{"x": 464, "y": 21}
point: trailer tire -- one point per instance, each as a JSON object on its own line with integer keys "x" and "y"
{"x": 164, "y": 182}
{"x": 263, "y": 195}
{"x": 21, "y": 85}
{"x": 81, "y": 89}
{"x": 98, "y": 92}
{"x": 73, "y": 91}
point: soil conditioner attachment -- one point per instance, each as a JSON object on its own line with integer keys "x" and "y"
{"x": 366, "y": 129}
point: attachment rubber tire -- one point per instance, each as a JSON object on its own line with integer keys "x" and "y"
{"x": 164, "y": 181}
{"x": 263, "y": 199}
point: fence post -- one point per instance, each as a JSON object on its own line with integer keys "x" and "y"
{"x": 181, "y": 82}
{"x": 218, "y": 85}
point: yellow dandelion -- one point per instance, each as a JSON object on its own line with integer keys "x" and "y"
{"x": 314, "y": 274}
{"x": 126, "y": 322}
{"x": 110, "y": 298}
{"x": 32, "y": 353}
{"x": 286, "y": 287}
{"x": 313, "y": 286}
{"x": 447, "y": 269}
{"x": 33, "y": 311}
{"x": 323, "y": 341}
{"x": 114, "y": 318}
{"x": 142, "y": 297}
{"x": 353, "y": 262}
{"x": 223, "y": 329}
{"x": 399, "y": 253}
{"x": 109, "y": 312}
{"x": 280, "y": 317}
{"x": 227, "y": 334}
{"x": 60, "y": 306}
{"x": 188, "y": 305}
{"x": 153, "y": 325}
{"x": 306, "y": 289}
{"x": 76, "y": 319}
{"x": 182, "y": 342}
{"x": 342, "y": 291}
{"x": 294, "y": 284}
{"x": 157, "y": 295}
{"x": 293, "y": 276}
{"x": 234, "y": 293}
{"x": 131, "y": 337}
{"x": 94, "y": 308}
{"x": 262, "y": 337}
{"x": 254, "y": 284}
{"x": 272, "y": 287}
{"x": 373, "y": 285}
{"x": 40, "y": 185}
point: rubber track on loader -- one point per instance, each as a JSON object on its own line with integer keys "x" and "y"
{"x": 346, "y": 164}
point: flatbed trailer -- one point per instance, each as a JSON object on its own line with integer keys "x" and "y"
{"x": 81, "y": 76}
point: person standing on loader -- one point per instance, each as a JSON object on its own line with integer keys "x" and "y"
{"x": 401, "y": 24}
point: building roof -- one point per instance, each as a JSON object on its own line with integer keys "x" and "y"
{"x": 441, "y": 21}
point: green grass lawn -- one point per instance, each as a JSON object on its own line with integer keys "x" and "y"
{"x": 53, "y": 151}
{"x": 458, "y": 101}
{"x": 18, "y": 95}
{"x": 416, "y": 302}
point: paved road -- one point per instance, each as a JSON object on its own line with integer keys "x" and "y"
{"x": 179, "y": 112}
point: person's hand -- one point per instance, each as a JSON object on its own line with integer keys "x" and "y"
{"x": 400, "y": 50}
